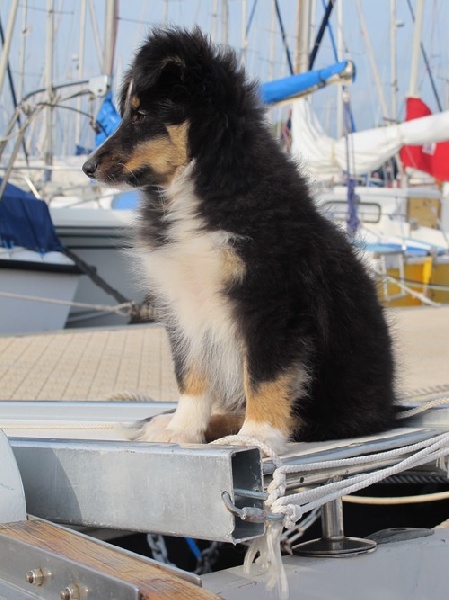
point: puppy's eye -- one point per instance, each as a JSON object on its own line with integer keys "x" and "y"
{"x": 139, "y": 115}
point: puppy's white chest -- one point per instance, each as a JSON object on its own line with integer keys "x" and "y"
{"x": 188, "y": 277}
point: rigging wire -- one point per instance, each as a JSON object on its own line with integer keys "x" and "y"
{"x": 331, "y": 34}
{"x": 320, "y": 34}
{"x": 284, "y": 37}
{"x": 13, "y": 92}
{"x": 251, "y": 17}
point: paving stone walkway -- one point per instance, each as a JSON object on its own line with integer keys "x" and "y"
{"x": 97, "y": 364}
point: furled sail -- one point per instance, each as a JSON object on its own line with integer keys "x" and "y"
{"x": 295, "y": 86}
{"x": 326, "y": 157}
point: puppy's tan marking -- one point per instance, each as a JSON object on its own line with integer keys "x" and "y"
{"x": 164, "y": 155}
{"x": 154, "y": 154}
{"x": 221, "y": 425}
{"x": 135, "y": 102}
{"x": 271, "y": 401}
{"x": 178, "y": 137}
{"x": 192, "y": 383}
{"x": 233, "y": 267}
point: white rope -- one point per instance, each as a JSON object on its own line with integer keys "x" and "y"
{"x": 405, "y": 414}
{"x": 268, "y": 547}
{"x": 241, "y": 440}
{"x": 387, "y": 501}
{"x": 126, "y": 396}
{"x": 426, "y": 392}
{"x": 293, "y": 506}
{"x": 119, "y": 308}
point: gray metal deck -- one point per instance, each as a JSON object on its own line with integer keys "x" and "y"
{"x": 165, "y": 488}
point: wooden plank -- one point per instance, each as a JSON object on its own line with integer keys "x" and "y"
{"x": 154, "y": 582}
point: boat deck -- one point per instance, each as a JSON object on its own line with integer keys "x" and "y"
{"x": 134, "y": 362}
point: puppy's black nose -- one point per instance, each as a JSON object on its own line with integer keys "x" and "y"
{"x": 89, "y": 168}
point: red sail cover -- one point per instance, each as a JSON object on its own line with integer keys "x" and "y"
{"x": 430, "y": 158}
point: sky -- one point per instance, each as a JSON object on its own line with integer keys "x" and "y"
{"x": 265, "y": 54}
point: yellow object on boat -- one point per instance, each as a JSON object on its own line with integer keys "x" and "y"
{"x": 440, "y": 277}
{"x": 417, "y": 275}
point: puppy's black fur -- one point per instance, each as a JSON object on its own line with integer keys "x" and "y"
{"x": 307, "y": 346}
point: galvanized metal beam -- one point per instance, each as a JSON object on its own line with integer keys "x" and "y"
{"x": 139, "y": 486}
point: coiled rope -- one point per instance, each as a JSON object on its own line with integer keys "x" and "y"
{"x": 291, "y": 507}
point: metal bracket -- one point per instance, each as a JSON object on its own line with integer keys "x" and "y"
{"x": 334, "y": 543}
{"x": 42, "y": 574}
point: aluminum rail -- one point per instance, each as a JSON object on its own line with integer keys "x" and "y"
{"x": 139, "y": 486}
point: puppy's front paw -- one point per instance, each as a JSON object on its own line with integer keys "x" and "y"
{"x": 265, "y": 433}
{"x": 169, "y": 436}
{"x": 158, "y": 429}
{"x": 136, "y": 430}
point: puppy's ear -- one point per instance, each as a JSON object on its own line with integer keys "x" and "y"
{"x": 172, "y": 73}
{"x": 173, "y": 80}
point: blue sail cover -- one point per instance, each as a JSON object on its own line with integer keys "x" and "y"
{"x": 26, "y": 221}
{"x": 289, "y": 87}
{"x": 107, "y": 120}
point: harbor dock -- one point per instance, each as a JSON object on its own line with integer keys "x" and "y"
{"x": 134, "y": 362}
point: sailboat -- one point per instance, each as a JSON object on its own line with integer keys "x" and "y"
{"x": 37, "y": 280}
{"x": 403, "y": 231}
{"x": 91, "y": 232}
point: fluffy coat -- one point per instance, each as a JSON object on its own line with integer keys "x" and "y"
{"x": 274, "y": 324}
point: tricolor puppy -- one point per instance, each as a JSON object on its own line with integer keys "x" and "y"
{"x": 274, "y": 325}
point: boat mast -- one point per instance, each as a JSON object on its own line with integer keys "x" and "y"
{"x": 394, "y": 77}
{"x": 372, "y": 60}
{"x": 340, "y": 53}
{"x": 303, "y": 36}
{"x": 22, "y": 52}
{"x": 272, "y": 44}
{"x": 416, "y": 49}
{"x": 244, "y": 34}
{"x": 214, "y": 21}
{"x": 81, "y": 45}
{"x": 109, "y": 38}
{"x": 4, "y": 55}
{"x": 96, "y": 33}
{"x": 224, "y": 21}
{"x": 48, "y": 153}
{"x": 394, "y": 89}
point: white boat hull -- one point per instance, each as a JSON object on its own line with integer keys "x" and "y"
{"x": 36, "y": 291}
{"x": 100, "y": 237}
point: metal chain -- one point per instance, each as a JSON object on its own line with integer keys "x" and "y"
{"x": 158, "y": 548}
{"x": 91, "y": 272}
{"x": 209, "y": 557}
